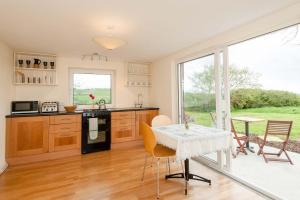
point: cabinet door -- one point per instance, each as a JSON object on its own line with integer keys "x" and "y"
{"x": 143, "y": 116}
{"x": 122, "y": 134}
{"x": 29, "y": 135}
{"x": 61, "y": 141}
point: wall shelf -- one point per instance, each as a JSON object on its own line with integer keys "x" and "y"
{"x": 138, "y": 75}
{"x": 36, "y": 84}
{"x": 135, "y": 74}
{"x": 34, "y": 69}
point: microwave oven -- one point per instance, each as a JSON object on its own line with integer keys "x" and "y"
{"x": 23, "y": 107}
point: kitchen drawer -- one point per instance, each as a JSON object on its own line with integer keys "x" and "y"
{"x": 62, "y": 128}
{"x": 122, "y": 134}
{"x": 123, "y": 115}
{"x": 65, "y": 119}
{"x": 64, "y": 141}
{"x": 122, "y": 122}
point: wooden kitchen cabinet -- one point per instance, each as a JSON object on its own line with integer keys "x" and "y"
{"x": 143, "y": 116}
{"x": 39, "y": 138}
{"x": 28, "y": 136}
{"x": 122, "y": 126}
{"x": 65, "y": 133}
{"x": 62, "y": 141}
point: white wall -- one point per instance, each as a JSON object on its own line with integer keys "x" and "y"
{"x": 6, "y": 62}
{"x": 124, "y": 96}
{"x": 164, "y": 91}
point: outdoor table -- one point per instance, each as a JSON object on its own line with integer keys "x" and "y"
{"x": 247, "y": 120}
{"x": 195, "y": 141}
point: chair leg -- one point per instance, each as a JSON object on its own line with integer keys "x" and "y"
{"x": 288, "y": 157}
{"x": 260, "y": 146}
{"x": 182, "y": 167}
{"x": 152, "y": 162}
{"x": 264, "y": 156}
{"x": 242, "y": 148}
{"x": 145, "y": 163}
{"x": 280, "y": 152}
{"x": 157, "y": 164}
{"x": 166, "y": 166}
{"x": 169, "y": 168}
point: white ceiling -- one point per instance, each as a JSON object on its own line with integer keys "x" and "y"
{"x": 152, "y": 28}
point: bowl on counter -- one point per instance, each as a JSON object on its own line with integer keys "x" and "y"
{"x": 70, "y": 108}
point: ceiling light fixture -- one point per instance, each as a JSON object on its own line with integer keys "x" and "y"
{"x": 109, "y": 42}
{"x": 92, "y": 57}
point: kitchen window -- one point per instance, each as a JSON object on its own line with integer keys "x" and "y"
{"x": 89, "y": 86}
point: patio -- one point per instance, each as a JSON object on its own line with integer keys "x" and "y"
{"x": 277, "y": 178}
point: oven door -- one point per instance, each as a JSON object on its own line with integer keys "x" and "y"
{"x": 24, "y": 107}
{"x": 95, "y": 134}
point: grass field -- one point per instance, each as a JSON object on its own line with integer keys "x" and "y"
{"x": 276, "y": 113}
{"x": 81, "y": 96}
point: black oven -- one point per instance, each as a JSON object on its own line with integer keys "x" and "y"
{"x": 24, "y": 107}
{"x": 95, "y": 131}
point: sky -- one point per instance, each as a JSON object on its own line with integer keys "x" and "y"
{"x": 275, "y": 56}
{"x": 89, "y": 81}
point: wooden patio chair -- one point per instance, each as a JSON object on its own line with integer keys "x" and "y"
{"x": 273, "y": 130}
{"x": 213, "y": 118}
{"x": 241, "y": 140}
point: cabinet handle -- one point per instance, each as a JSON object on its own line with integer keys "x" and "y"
{"x": 65, "y": 119}
{"x": 66, "y": 128}
{"x": 66, "y": 135}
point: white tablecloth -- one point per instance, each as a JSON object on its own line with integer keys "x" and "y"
{"x": 197, "y": 140}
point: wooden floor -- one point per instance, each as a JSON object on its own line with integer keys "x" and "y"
{"x": 112, "y": 174}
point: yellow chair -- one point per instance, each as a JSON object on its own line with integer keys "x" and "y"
{"x": 154, "y": 150}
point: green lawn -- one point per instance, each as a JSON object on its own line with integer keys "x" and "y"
{"x": 81, "y": 96}
{"x": 276, "y": 113}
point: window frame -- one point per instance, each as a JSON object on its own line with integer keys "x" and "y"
{"x": 73, "y": 71}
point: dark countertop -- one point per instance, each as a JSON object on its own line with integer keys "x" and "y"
{"x": 131, "y": 109}
{"x": 79, "y": 112}
{"x": 42, "y": 114}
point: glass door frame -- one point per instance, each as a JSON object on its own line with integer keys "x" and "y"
{"x": 222, "y": 103}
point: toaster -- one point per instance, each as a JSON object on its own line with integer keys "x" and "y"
{"x": 48, "y": 107}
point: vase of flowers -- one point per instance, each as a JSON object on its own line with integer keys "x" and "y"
{"x": 92, "y": 97}
{"x": 187, "y": 120}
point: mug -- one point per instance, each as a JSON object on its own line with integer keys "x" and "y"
{"x": 20, "y": 63}
{"x": 45, "y": 64}
{"x": 52, "y": 64}
{"x": 37, "y": 62}
{"x": 28, "y": 63}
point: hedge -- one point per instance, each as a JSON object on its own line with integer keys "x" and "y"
{"x": 242, "y": 99}
{"x": 257, "y": 98}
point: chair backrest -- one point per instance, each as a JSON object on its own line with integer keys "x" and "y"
{"x": 149, "y": 138}
{"x": 278, "y": 128}
{"x": 161, "y": 120}
{"x": 213, "y": 118}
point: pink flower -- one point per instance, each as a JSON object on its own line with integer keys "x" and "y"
{"x": 92, "y": 96}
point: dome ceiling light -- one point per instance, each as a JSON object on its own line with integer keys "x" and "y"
{"x": 109, "y": 42}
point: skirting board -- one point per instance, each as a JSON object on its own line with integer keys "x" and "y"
{"x": 3, "y": 168}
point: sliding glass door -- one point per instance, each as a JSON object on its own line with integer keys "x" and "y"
{"x": 203, "y": 93}
{"x": 198, "y": 91}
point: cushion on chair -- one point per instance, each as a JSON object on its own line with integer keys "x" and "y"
{"x": 162, "y": 151}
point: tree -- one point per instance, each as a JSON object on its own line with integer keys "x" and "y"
{"x": 238, "y": 78}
